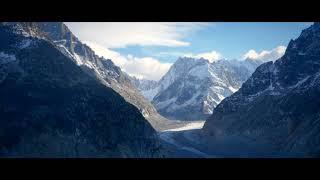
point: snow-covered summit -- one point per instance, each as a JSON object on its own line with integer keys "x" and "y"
{"x": 194, "y": 86}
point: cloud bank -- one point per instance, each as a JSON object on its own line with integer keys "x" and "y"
{"x": 153, "y": 69}
{"x": 265, "y": 55}
{"x": 145, "y": 67}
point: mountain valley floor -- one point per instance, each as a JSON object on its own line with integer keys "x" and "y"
{"x": 185, "y": 141}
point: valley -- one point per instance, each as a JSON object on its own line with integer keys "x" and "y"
{"x": 58, "y": 98}
{"x": 186, "y": 141}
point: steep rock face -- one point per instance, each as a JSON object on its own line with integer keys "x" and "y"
{"x": 49, "y": 107}
{"x": 192, "y": 88}
{"x": 101, "y": 68}
{"x": 279, "y": 103}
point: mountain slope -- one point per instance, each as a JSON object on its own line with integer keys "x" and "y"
{"x": 49, "y": 107}
{"x": 193, "y": 87}
{"x": 279, "y": 104}
{"x": 101, "y": 68}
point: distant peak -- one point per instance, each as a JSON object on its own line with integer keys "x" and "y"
{"x": 209, "y": 60}
{"x": 195, "y": 59}
{"x": 185, "y": 58}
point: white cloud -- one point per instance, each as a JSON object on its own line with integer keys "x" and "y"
{"x": 146, "y": 67}
{"x": 265, "y": 55}
{"x": 211, "y": 56}
{"x": 122, "y": 34}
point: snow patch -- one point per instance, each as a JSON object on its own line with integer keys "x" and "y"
{"x": 232, "y": 89}
{"x": 87, "y": 63}
{"x": 189, "y": 126}
{"x": 74, "y": 56}
{"x": 220, "y": 97}
{"x": 65, "y": 51}
{"x": 78, "y": 59}
{"x": 60, "y": 41}
{"x": 213, "y": 100}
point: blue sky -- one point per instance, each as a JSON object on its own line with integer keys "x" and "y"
{"x": 232, "y": 40}
{"x": 147, "y": 50}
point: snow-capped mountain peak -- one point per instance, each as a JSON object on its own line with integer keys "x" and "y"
{"x": 194, "y": 86}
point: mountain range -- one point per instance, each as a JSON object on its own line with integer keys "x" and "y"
{"x": 193, "y": 87}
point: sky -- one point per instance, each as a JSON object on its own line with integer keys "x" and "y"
{"x": 148, "y": 49}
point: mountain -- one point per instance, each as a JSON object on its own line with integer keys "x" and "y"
{"x": 101, "y": 68}
{"x": 192, "y": 88}
{"x": 278, "y": 106}
{"x": 145, "y": 86}
{"x": 51, "y": 106}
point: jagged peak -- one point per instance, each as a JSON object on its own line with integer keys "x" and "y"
{"x": 185, "y": 58}
{"x": 201, "y": 60}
